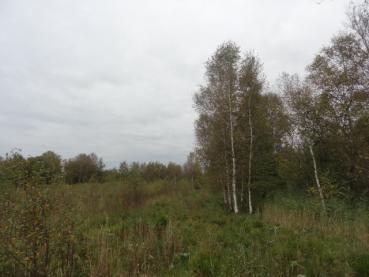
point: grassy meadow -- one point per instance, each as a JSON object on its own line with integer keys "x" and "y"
{"x": 161, "y": 229}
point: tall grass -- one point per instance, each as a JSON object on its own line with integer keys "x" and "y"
{"x": 161, "y": 229}
{"x": 138, "y": 250}
{"x": 304, "y": 214}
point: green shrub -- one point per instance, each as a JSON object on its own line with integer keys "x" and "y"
{"x": 360, "y": 264}
{"x": 38, "y": 236}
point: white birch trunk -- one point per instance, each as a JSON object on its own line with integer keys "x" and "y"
{"x": 250, "y": 157}
{"x": 234, "y": 192}
{"x": 229, "y": 196}
{"x": 317, "y": 179}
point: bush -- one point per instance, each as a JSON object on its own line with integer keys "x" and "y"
{"x": 37, "y": 235}
{"x": 83, "y": 168}
{"x": 16, "y": 170}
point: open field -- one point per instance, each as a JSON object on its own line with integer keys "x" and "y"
{"x": 184, "y": 138}
{"x": 158, "y": 229}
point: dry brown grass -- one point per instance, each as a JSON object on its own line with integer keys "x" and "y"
{"x": 140, "y": 250}
{"x": 305, "y": 220}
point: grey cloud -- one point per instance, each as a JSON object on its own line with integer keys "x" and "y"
{"x": 117, "y": 77}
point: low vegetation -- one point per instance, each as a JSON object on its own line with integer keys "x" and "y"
{"x": 158, "y": 229}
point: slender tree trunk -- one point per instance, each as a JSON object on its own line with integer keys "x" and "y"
{"x": 317, "y": 180}
{"x": 228, "y": 189}
{"x": 229, "y": 197}
{"x": 229, "y": 194}
{"x": 250, "y": 156}
{"x": 225, "y": 196}
{"x": 242, "y": 191}
{"x": 234, "y": 192}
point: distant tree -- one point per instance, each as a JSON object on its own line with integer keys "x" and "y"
{"x": 124, "y": 170}
{"x": 46, "y": 167}
{"x": 153, "y": 171}
{"x": 43, "y": 169}
{"x": 14, "y": 169}
{"x": 135, "y": 169}
{"x": 174, "y": 172}
{"x": 111, "y": 175}
{"x": 192, "y": 169}
{"x": 83, "y": 168}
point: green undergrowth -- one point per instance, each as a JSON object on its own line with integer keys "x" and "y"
{"x": 158, "y": 229}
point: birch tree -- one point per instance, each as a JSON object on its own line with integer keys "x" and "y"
{"x": 306, "y": 119}
{"x": 250, "y": 85}
{"x": 218, "y": 100}
{"x": 339, "y": 75}
{"x": 212, "y": 141}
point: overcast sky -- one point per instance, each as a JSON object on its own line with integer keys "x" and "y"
{"x": 117, "y": 77}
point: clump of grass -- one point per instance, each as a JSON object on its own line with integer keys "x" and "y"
{"x": 140, "y": 249}
{"x": 304, "y": 215}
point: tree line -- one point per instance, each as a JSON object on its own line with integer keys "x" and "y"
{"x": 309, "y": 134}
{"x": 49, "y": 168}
